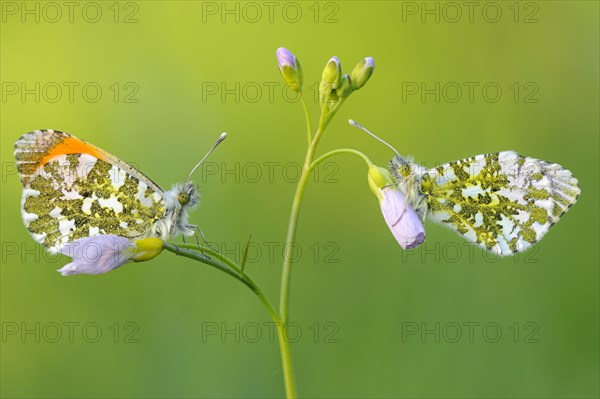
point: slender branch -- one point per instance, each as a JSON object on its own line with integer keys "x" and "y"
{"x": 289, "y": 378}
{"x": 340, "y": 151}
{"x": 286, "y": 274}
{"x": 183, "y": 250}
{"x": 233, "y": 269}
{"x": 230, "y": 267}
{"x": 308, "y": 121}
{"x": 327, "y": 116}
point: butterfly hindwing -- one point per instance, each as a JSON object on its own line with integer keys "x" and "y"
{"x": 72, "y": 189}
{"x": 502, "y": 201}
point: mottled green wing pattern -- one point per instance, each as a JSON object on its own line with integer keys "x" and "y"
{"x": 503, "y": 201}
{"x": 74, "y": 195}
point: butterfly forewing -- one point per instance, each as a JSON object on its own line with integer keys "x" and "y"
{"x": 502, "y": 201}
{"x": 73, "y": 189}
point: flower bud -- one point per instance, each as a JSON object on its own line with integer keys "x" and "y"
{"x": 105, "y": 252}
{"x": 290, "y": 68}
{"x": 401, "y": 218}
{"x": 146, "y": 249}
{"x": 330, "y": 80}
{"x": 378, "y": 179}
{"x": 332, "y": 73}
{"x": 345, "y": 86}
{"x": 362, "y": 72}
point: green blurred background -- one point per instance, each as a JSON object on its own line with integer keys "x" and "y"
{"x": 173, "y": 75}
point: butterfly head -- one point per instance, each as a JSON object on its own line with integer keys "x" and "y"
{"x": 408, "y": 175}
{"x": 402, "y": 168}
{"x": 179, "y": 200}
{"x": 187, "y": 195}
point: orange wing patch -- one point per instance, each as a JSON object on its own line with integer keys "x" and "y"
{"x": 37, "y": 148}
{"x": 71, "y": 145}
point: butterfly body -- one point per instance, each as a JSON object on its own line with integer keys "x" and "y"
{"x": 73, "y": 189}
{"x": 502, "y": 201}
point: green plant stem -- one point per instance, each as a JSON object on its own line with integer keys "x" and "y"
{"x": 291, "y": 234}
{"x": 231, "y": 268}
{"x": 308, "y": 167}
{"x": 323, "y": 157}
{"x": 289, "y": 378}
{"x": 236, "y": 272}
{"x": 286, "y": 274}
{"x": 226, "y": 265}
{"x": 328, "y": 116}
{"x": 308, "y": 121}
{"x": 183, "y": 250}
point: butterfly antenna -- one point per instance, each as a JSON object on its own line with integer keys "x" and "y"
{"x": 361, "y": 127}
{"x": 219, "y": 140}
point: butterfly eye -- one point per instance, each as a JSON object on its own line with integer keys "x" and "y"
{"x": 183, "y": 198}
{"x": 405, "y": 170}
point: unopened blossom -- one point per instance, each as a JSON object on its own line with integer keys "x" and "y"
{"x": 362, "y": 72}
{"x": 290, "y": 68}
{"x": 401, "y": 218}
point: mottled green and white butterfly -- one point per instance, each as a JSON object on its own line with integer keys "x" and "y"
{"x": 72, "y": 189}
{"x": 502, "y": 201}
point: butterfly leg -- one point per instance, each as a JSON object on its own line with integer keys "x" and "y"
{"x": 177, "y": 249}
{"x": 197, "y": 243}
{"x": 197, "y": 228}
{"x": 197, "y": 239}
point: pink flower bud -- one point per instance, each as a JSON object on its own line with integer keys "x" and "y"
{"x": 401, "y": 218}
{"x": 103, "y": 253}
